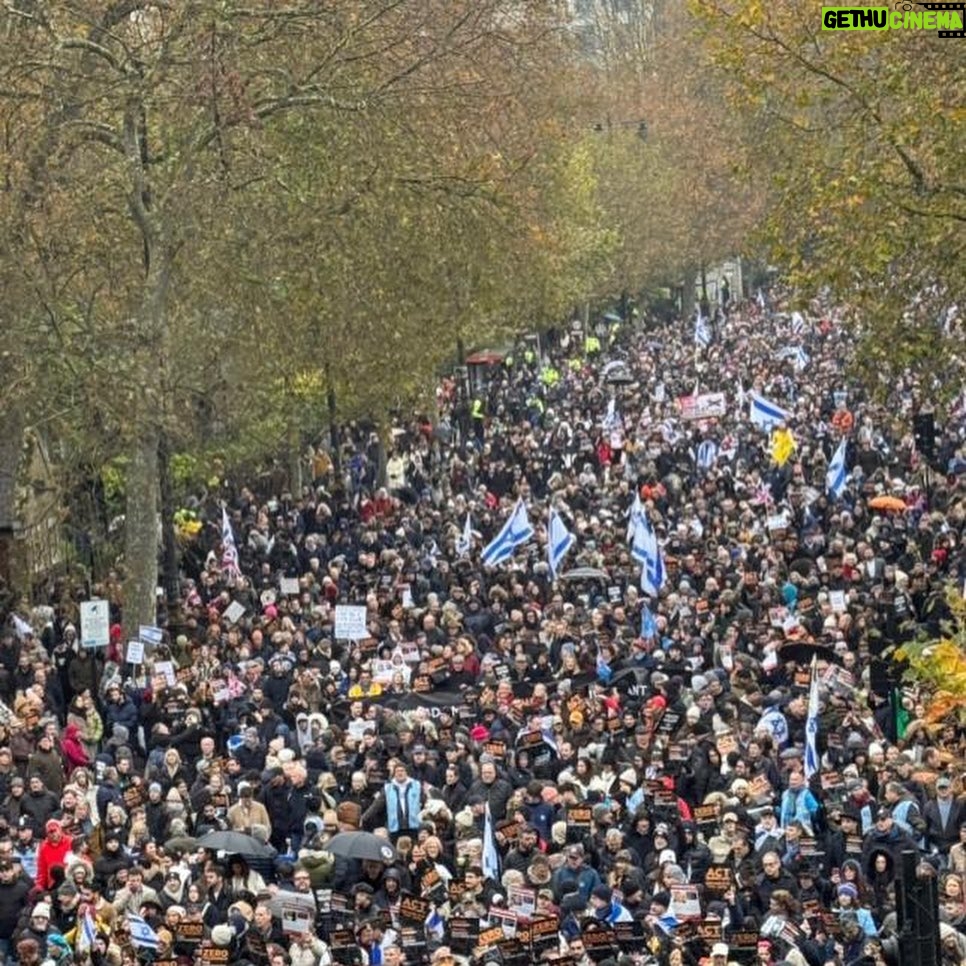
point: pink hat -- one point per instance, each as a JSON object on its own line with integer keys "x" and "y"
{"x": 479, "y": 732}
{"x": 271, "y": 611}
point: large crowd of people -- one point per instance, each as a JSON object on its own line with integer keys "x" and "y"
{"x": 536, "y": 761}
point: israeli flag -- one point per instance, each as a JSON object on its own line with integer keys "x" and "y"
{"x": 836, "y": 474}
{"x": 637, "y": 509}
{"x": 612, "y": 417}
{"x": 229, "y": 552}
{"x": 811, "y": 727}
{"x": 640, "y": 537}
{"x": 800, "y": 358}
{"x": 515, "y": 533}
{"x": 702, "y": 333}
{"x": 653, "y": 576}
{"x": 798, "y": 322}
{"x": 645, "y": 550}
{"x": 141, "y": 933}
{"x": 765, "y": 413}
{"x": 559, "y": 541}
{"x": 706, "y": 455}
{"x": 87, "y": 934}
{"x": 464, "y": 542}
{"x": 648, "y": 624}
{"x": 491, "y": 857}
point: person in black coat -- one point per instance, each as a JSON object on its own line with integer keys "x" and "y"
{"x": 14, "y": 890}
{"x": 943, "y": 816}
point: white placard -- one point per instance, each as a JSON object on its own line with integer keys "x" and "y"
{"x": 151, "y": 636}
{"x": 166, "y": 668}
{"x": 135, "y": 652}
{"x": 350, "y": 623}
{"x": 836, "y": 599}
{"x": 95, "y": 621}
{"x": 407, "y": 597}
{"x": 777, "y": 522}
{"x": 289, "y": 586}
{"x": 234, "y": 612}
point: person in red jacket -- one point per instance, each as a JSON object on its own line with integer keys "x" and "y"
{"x": 53, "y": 851}
{"x": 72, "y": 749}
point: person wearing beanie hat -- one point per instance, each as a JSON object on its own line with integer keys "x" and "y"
{"x": 605, "y": 909}
{"x": 848, "y": 905}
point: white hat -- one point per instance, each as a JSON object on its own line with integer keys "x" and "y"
{"x": 41, "y": 909}
{"x": 720, "y": 949}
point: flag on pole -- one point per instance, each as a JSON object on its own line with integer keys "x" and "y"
{"x": 491, "y": 858}
{"x": 637, "y": 509}
{"x": 702, "y": 333}
{"x": 760, "y": 299}
{"x": 141, "y": 933}
{"x": 706, "y": 454}
{"x": 464, "y": 542}
{"x": 648, "y": 624}
{"x": 86, "y": 934}
{"x": 765, "y": 413}
{"x": 559, "y": 541}
{"x": 515, "y": 533}
{"x": 811, "y": 726}
{"x": 798, "y": 322}
{"x": 646, "y": 551}
{"x": 229, "y": 552}
{"x": 835, "y": 476}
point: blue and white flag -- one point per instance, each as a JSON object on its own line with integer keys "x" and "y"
{"x": 702, "y": 332}
{"x": 229, "y": 552}
{"x": 612, "y": 417}
{"x": 811, "y": 726}
{"x": 86, "y": 934}
{"x": 653, "y": 575}
{"x": 706, "y": 455}
{"x": 648, "y": 624}
{"x": 800, "y": 358}
{"x": 640, "y": 530}
{"x": 836, "y": 474}
{"x": 491, "y": 857}
{"x": 646, "y": 551}
{"x": 464, "y": 542}
{"x": 22, "y": 629}
{"x": 760, "y": 299}
{"x": 777, "y": 724}
{"x": 141, "y": 933}
{"x": 637, "y": 509}
{"x": 798, "y": 322}
{"x": 515, "y": 533}
{"x": 765, "y": 413}
{"x": 559, "y": 541}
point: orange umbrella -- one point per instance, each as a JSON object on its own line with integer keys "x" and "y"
{"x": 887, "y": 503}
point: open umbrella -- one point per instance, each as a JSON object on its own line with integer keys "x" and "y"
{"x": 891, "y": 503}
{"x": 585, "y": 573}
{"x": 235, "y": 843}
{"x": 361, "y": 845}
{"x": 181, "y": 843}
{"x": 802, "y": 652}
{"x": 621, "y": 377}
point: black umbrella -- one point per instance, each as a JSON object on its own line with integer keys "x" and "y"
{"x": 236, "y": 843}
{"x": 585, "y": 573}
{"x": 620, "y": 378}
{"x": 361, "y": 845}
{"x": 802, "y": 652}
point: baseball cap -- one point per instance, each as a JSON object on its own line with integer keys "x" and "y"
{"x": 720, "y": 949}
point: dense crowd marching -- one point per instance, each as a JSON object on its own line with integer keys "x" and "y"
{"x": 558, "y": 762}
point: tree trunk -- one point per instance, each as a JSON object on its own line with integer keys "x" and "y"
{"x": 169, "y": 545}
{"x": 141, "y": 532}
{"x": 294, "y": 457}
{"x": 689, "y": 295}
